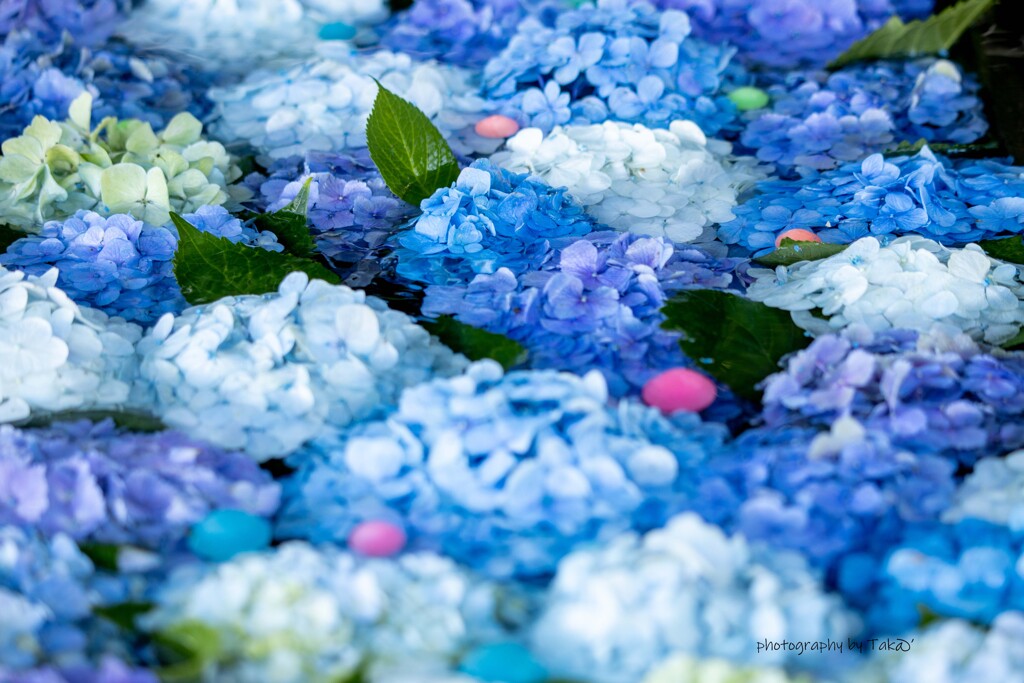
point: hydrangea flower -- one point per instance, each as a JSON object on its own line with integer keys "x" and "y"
{"x": 615, "y": 611}
{"x": 826, "y": 494}
{"x": 56, "y": 356}
{"x": 121, "y": 265}
{"x": 48, "y": 590}
{"x": 323, "y": 104}
{"x": 91, "y": 22}
{"x": 993, "y": 491}
{"x": 489, "y": 218}
{"x": 673, "y": 183}
{"x": 110, "y": 670}
{"x": 952, "y": 203}
{"x": 617, "y": 60}
{"x": 56, "y": 169}
{"x": 265, "y": 374}
{"x": 788, "y": 33}
{"x": 911, "y": 283}
{"x": 928, "y": 393}
{"x": 504, "y": 473}
{"x": 955, "y": 651}
{"x": 462, "y": 32}
{"x": 301, "y": 614}
{"x": 595, "y": 305}
{"x": 968, "y": 570}
{"x": 819, "y": 120}
{"x": 91, "y": 482}
{"x": 687, "y": 669}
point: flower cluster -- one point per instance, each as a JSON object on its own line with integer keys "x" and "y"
{"x": 267, "y": 373}
{"x": 929, "y": 394}
{"x": 303, "y": 615}
{"x": 594, "y": 306}
{"x": 788, "y": 33}
{"x": 819, "y": 120}
{"x": 323, "y": 104}
{"x": 56, "y": 169}
{"x": 91, "y": 482}
{"x": 121, "y": 265}
{"x": 91, "y": 22}
{"x": 952, "y": 203}
{"x": 912, "y": 283}
{"x": 674, "y": 183}
{"x": 505, "y": 473}
{"x": 56, "y": 356}
{"x": 826, "y": 494}
{"x": 614, "y": 612}
{"x": 488, "y": 219}
{"x": 955, "y": 651}
{"x": 462, "y": 32}
{"x": 617, "y": 60}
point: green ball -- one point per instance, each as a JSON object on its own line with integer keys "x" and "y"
{"x": 749, "y": 97}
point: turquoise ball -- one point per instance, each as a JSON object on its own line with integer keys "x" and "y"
{"x": 506, "y": 662}
{"x": 222, "y": 534}
{"x": 337, "y": 31}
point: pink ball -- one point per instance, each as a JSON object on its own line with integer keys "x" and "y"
{"x": 680, "y": 389}
{"x": 497, "y": 126}
{"x": 376, "y": 539}
{"x": 798, "y": 235}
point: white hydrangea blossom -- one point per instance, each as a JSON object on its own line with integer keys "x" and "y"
{"x": 673, "y": 183}
{"x": 307, "y": 615}
{"x": 55, "y": 355}
{"x": 993, "y": 491}
{"x": 236, "y": 36}
{"x": 614, "y": 612}
{"x": 953, "y": 651}
{"x": 324, "y": 104}
{"x": 911, "y": 283}
{"x": 267, "y": 373}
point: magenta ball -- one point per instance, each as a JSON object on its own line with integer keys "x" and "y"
{"x": 377, "y": 539}
{"x": 680, "y": 389}
{"x": 497, "y": 126}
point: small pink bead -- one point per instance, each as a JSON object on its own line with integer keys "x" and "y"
{"x": 797, "y": 235}
{"x": 376, "y": 539}
{"x": 497, "y": 126}
{"x": 680, "y": 389}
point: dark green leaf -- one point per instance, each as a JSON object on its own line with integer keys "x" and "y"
{"x": 103, "y": 555}
{"x": 476, "y": 344}
{"x": 124, "y": 614}
{"x": 1010, "y": 249}
{"x": 736, "y": 340}
{"x": 409, "y": 151}
{"x": 934, "y": 35}
{"x": 290, "y": 224}
{"x": 208, "y": 267}
{"x": 793, "y": 251}
{"x": 125, "y": 419}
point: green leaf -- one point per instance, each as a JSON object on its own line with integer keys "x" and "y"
{"x": 934, "y": 35}
{"x": 793, "y": 251}
{"x": 409, "y": 151}
{"x": 208, "y": 267}
{"x": 124, "y": 614}
{"x": 290, "y": 224}
{"x": 736, "y": 340}
{"x": 128, "y": 420}
{"x": 1009, "y": 249}
{"x": 476, "y": 344}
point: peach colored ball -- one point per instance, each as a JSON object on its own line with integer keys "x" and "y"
{"x": 680, "y": 389}
{"x": 797, "y": 235}
{"x": 497, "y": 126}
{"x": 376, "y": 539}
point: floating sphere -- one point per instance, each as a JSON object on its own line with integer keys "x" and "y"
{"x": 748, "y": 97}
{"x": 497, "y": 126}
{"x": 222, "y": 534}
{"x": 505, "y": 662}
{"x": 377, "y": 539}
{"x": 797, "y": 235}
{"x": 680, "y": 389}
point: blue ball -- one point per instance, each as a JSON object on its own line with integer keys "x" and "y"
{"x": 337, "y": 31}
{"x": 222, "y": 534}
{"x": 505, "y": 662}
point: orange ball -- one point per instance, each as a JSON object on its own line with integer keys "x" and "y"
{"x": 798, "y": 235}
